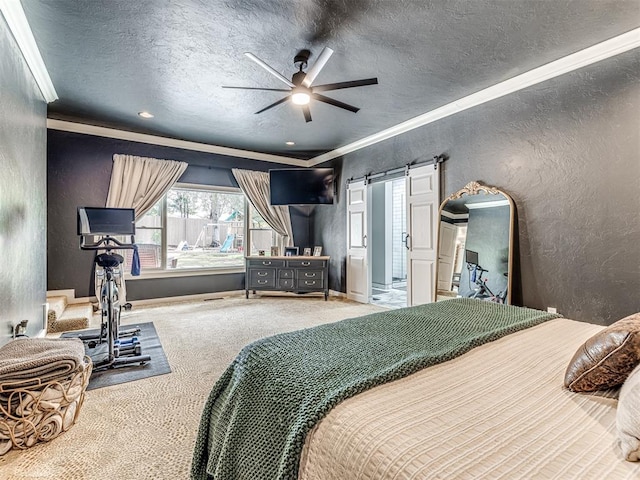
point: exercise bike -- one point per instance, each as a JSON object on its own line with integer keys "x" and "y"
{"x": 482, "y": 291}
{"x": 111, "y": 347}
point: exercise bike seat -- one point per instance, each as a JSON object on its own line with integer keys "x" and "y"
{"x": 109, "y": 260}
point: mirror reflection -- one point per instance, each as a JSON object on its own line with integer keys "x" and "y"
{"x": 475, "y": 242}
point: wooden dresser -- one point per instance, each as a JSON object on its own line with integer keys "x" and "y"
{"x": 288, "y": 274}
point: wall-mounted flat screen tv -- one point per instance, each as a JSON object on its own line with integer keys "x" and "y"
{"x": 302, "y": 186}
{"x": 106, "y": 221}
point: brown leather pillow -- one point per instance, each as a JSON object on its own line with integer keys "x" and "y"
{"x": 606, "y": 359}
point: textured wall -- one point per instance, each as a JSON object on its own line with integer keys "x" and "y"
{"x": 79, "y": 170}
{"x": 22, "y": 192}
{"x": 568, "y": 152}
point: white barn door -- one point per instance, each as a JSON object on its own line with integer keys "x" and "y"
{"x": 446, "y": 252}
{"x": 423, "y": 195}
{"x": 357, "y": 255}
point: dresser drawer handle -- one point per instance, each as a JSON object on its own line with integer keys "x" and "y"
{"x": 307, "y": 274}
{"x": 306, "y": 264}
{"x": 266, "y": 263}
{"x": 312, "y": 282}
{"x": 262, "y": 282}
{"x": 263, "y": 274}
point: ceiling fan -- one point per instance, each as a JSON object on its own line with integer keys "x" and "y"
{"x": 301, "y": 91}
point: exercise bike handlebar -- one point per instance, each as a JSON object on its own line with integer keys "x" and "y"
{"x": 107, "y": 243}
{"x": 476, "y": 266}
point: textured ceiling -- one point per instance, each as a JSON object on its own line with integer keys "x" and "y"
{"x": 111, "y": 59}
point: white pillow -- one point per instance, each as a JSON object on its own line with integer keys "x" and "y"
{"x": 628, "y": 417}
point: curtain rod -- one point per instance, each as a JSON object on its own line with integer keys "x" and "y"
{"x": 435, "y": 161}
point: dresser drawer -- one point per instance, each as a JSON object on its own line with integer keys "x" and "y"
{"x": 304, "y": 274}
{"x": 309, "y": 284}
{"x": 286, "y": 273}
{"x": 262, "y": 277}
{"x": 286, "y": 283}
{"x": 305, "y": 263}
{"x": 265, "y": 263}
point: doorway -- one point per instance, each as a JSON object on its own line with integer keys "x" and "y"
{"x": 393, "y": 224}
{"x": 388, "y": 249}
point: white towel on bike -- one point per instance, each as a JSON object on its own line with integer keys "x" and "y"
{"x": 39, "y": 359}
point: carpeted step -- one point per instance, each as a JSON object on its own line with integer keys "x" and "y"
{"x": 57, "y": 305}
{"x": 75, "y": 316}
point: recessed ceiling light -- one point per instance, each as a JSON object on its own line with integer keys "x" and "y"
{"x": 145, "y": 114}
{"x": 290, "y": 143}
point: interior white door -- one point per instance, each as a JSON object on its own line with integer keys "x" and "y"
{"x": 357, "y": 255}
{"x": 423, "y": 194}
{"x": 446, "y": 253}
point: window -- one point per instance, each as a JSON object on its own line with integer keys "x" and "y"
{"x": 196, "y": 227}
{"x": 263, "y": 237}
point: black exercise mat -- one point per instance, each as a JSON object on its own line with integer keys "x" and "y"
{"x": 127, "y": 373}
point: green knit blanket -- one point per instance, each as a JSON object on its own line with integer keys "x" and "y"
{"x": 259, "y": 412}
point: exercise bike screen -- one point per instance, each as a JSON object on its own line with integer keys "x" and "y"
{"x": 106, "y": 221}
{"x": 471, "y": 257}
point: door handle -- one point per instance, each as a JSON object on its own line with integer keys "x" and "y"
{"x": 364, "y": 241}
{"x": 407, "y": 244}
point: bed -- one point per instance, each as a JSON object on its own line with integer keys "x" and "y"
{"x": 494, "y": 407}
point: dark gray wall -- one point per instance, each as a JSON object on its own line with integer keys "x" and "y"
{"x": 79, "y": 170}
{"x": 568, "y": 152}
{"x": 22, "y": 192}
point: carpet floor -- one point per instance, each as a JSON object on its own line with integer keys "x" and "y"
{"x": 146, "y": 429}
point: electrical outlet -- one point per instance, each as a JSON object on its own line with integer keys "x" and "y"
{"x": 552, "y": 310}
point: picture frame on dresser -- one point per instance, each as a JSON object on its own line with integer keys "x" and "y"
{"x": 275, "y": 251}
{"x": 307, "y": 252}
{"x": 291, "y": 251}
{"x": 317, "y": 251}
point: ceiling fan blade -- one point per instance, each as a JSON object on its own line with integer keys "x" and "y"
{"x": 307, "y": 113}
{"x": 314, "y": 70}
{"x": 335, "y": 103}
{"x": 282, "y": 100}
{"x": 258, "y": 88}
{"x": 269, "y": 69}
{"x": 353, "y": 83}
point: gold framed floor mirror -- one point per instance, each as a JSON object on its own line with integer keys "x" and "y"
{"x": 475, "y": 244}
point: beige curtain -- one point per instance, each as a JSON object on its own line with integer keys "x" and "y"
{"x": 255, "y": 185}
{"x": 139, "y": 182}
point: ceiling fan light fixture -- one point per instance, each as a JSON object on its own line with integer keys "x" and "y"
{"x": 300, "y": 96}
{"x": 145, "y": 115}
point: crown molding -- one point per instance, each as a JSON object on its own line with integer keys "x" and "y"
{"x": 601, "y": 51}
{"x": 21, "y": 31}
{"x": 169, "y": 142}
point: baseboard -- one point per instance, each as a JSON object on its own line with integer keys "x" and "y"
{"x": 177, "y": 299}
{"x": 186, "y": 298}
{"x": 205, "y": 297}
